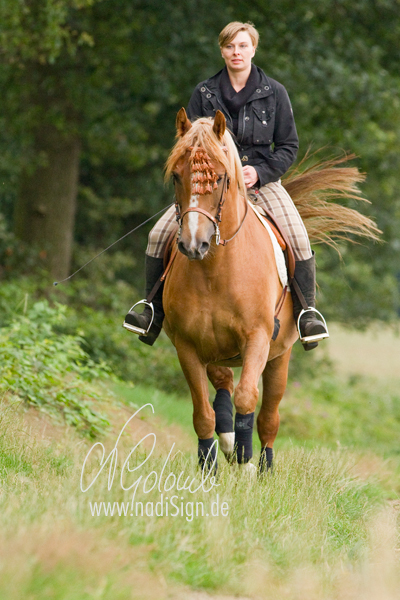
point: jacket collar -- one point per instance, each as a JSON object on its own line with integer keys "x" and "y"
{"x": 264, "y": 89}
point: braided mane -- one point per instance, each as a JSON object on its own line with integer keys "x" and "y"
{"x": 205, "y": 151}
{"x": 204, "y": 178}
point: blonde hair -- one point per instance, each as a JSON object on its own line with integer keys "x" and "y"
{"x": 231, "y": 30}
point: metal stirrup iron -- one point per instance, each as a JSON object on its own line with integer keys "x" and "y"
{"x": 149, "y": 300}
{"x": 312, "y": 338}
{"x": 140, "y": 330}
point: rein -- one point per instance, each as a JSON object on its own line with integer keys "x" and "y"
{"x": 116, "y": 242}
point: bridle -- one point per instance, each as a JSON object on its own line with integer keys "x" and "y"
{"x": 218, "y": 217}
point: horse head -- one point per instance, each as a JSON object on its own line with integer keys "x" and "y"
{"x": 201, "y": 166}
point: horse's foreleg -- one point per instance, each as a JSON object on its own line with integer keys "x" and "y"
{"x": 274, "y": 384}
{"x": 203, "y": 415}
{"x": 222, "y": 380}
{"x": 255, "y": 356}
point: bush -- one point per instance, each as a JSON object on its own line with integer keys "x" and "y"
{"x": 49, "y": 370}
{"x": 99, "y": 329}
{"x": 104, "y": 339}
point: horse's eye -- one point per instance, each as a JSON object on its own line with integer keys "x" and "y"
{"x": 219, "y": 178}
{"x": 175, "y": 177}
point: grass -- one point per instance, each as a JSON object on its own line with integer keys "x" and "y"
{"x": 174, "y": 409}
{"x": 356, "y": 411}
{"x": 373, "y": 352}
{"x": 324, "y": 526}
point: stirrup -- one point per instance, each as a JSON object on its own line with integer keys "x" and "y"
{"x": 140, "y": 330}
{"x": 312, "y": 338}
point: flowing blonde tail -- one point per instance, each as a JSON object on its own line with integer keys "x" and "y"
{"x": 313, "y": 190}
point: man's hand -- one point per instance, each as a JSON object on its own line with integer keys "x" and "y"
{"x": 250, "y": 176}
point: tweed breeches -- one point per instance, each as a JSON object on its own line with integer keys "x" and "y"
{"x": 272, "y": 197}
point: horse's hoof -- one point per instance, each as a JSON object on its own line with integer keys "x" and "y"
{"x": 227, "y": 442}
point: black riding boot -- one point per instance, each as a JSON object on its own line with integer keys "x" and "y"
{"x": 311, "y": 328}
{"x": 154, "y": 270}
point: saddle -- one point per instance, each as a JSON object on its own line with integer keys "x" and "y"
{"x": 279, "y": 233}
{"x": 283, "y": 242}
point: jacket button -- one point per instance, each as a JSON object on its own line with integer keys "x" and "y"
{"x": 264, "y": 122}
{"x": 257, "y": 141}
{"x": 245, "y": 159}
{"x": 208, "y": 95}
{"x": 246, "y": 118}
{"x": 258, "y": 90}
{"x": 266, "y": 87}
{"x": 203, "y": 89}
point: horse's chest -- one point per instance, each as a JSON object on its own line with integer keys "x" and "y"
{"x": 207, "y": 323}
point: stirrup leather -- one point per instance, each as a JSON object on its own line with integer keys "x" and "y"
{"x": 312, "y": 338}
{"x": 140, "y": 330}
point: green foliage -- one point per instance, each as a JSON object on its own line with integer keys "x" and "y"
{"x": 115, "y": 79}
{"x": 304, "y": 365}
{"x": 356, "y": 294}
{"x": 37, "y": 31}
{"x": 96, "y": 310}
{"x": 16, "y": 257}
{"x": 104, "y": 339}
{"x": 49, "y": 370}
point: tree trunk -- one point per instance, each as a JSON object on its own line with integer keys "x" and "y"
{"x": 45, "y": 209}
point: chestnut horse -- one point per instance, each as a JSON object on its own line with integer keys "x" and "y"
{"x": 221, "y": 293}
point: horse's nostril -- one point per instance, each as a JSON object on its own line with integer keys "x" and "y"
{"x": 181, "y": 247}
{"x": 204, "y": 248}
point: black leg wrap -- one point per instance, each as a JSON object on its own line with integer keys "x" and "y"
{"x": 266, "y": 461}
{"x": 277, "y": 326}
{"x": 207, "y": 454}
{"x": 244, "y": 437}
{"x": 223, "y": 412}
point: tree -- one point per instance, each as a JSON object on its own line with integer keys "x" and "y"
{"x": 105, "y": 84}
{"x": 35, "y": 36}
{"x": 84, "y": 75}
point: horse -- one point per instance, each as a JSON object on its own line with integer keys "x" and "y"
{"x": 222, "y": 291}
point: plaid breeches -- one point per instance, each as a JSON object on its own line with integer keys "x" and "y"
{"x": 272, "y": 197}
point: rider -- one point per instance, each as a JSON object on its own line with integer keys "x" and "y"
{"x": 259, "y": 114}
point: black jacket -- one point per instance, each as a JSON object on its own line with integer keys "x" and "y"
{"x": 266, "y": 119}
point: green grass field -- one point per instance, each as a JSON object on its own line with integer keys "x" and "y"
{"x": 375, "y": 352}
{"x": 324, "y": 526}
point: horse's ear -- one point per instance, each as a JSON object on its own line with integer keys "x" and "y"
{"x": 182, "y": 123}
{"x": 219, "y": 125}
